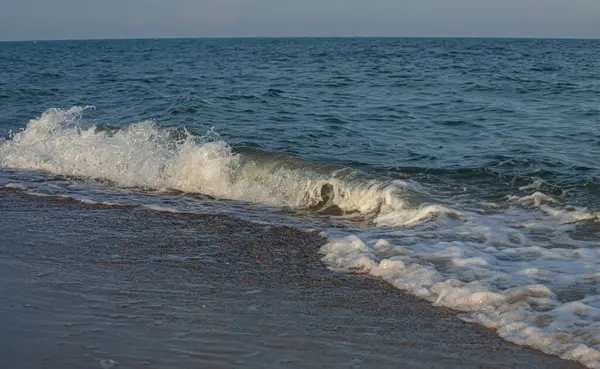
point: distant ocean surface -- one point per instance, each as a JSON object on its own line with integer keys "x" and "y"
{"x": 462, "y": 171}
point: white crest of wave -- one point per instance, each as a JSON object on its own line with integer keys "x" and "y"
{"x": 144, "y": 155}
{"x": 139, "y": 155}
{"x": 553, "y": 207}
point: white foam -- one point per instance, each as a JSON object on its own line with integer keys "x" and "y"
{"x": 15, "y": 186}
{"x": 517, "y": 270}
{"x": 143, "y": 155}
{"x": 162, "y": 209}
{"x": 409, "y": 217}
{"x": 488, "y": 268}
{"x": 535, "y": 199}
{"x": 555, "y": 208}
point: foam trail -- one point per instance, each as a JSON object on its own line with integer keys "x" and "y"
{"x": 518, "y": 272}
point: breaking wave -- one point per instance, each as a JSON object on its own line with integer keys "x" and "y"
{"x": 144, "y": 155}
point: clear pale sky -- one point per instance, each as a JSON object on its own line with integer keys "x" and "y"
{"x": 82, "y": 19}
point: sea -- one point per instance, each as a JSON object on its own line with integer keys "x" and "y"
{"x": 461, "y": 171}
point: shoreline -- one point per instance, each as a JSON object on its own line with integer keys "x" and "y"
{"x": 87, "y": 283}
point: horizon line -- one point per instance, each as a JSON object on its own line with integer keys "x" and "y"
{"x": 305, "y": 37}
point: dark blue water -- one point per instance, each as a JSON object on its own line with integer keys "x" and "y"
{"x": 453, "y": 149}
{"x": 465, "y": 109}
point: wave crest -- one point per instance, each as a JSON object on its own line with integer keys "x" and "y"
{"x": 144, "y": 155}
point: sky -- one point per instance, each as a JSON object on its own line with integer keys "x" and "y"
{"x": 84, "y": 19}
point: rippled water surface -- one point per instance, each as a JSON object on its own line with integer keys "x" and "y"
{"x": 463, "y": 171}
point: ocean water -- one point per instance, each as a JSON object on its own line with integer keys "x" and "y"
{"x": 462, "y": 171}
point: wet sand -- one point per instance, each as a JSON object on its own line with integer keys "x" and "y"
{"x": 83, "y": 283}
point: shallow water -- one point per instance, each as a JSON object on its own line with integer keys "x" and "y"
{"x": 462, "y": 171}
{"x": 85, "y": 285}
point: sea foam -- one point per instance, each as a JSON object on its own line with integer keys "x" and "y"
{"x": 518, "y": 272}
{"x": 144, "y": 155}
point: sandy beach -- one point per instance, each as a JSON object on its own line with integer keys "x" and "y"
{"x": 82, "y": 284}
